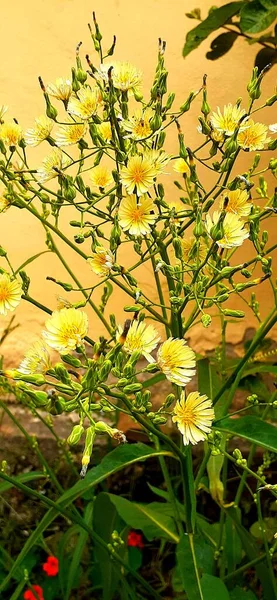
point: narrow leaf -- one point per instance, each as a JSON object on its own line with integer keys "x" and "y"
{"x": 188, "y": 568}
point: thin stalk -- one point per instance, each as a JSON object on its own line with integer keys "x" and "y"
{"x": 170, "y": 490}
{"x": 246, "y": 566}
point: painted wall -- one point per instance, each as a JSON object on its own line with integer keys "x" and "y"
{"x": 39, "y": 38}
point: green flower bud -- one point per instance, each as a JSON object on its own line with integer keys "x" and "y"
{"x": 168, "y": 401}
{"x": 132, "y": 388}
{"x": 170, "y": 100}
{"x": 34, "y": 379}
{"x": 206, "y": 320}
{"x": 151, "y": 368}
{"x": 62, "y": 374}
{"x": 186, "y": 106}
{"x": 104, "y": 370}
{"x": 122, "y": 382}
{"x": 271, "y": 100}
{"x": 237, "y": 314}
{"x": 159, "y": 420}
{"x": 272, "y": 145}
{"x": 205, "y": 128}
{"x": 222, "y": 298}
{"x": 111, "y": 49}
{"x": 134, "y": 308}
{"x": 75, "y": 435}
{"x": 90, "y": 437}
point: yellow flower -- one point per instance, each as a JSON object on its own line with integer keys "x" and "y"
{"x": 37, "y": 360}
{"x": 233, "y": 227}
{"x": 101, "y": 261}
{"x": 158, "y": 158}
{"x": 41, "y": 131}
{"x": 85, "y": 104}
{"x": 194, "y": 416}
{"x": 11, "y": 133}
{"x": 180, "y": 166}
{"x": 190, "y": 249}
{"x": 61, "y": 89}
{"x": 238, "y": 202}
{"x": 124, "y": 75}
{"x": 217, "y": 136}
{"x": 4, "y": 202}
{"x": 66, "y": 329}
{"x": 3, "y": 110}
{"x": 139, "y": 174}
{"x": 104, "y": 130}
{"x": 141, "y": 338}
{"x": 136, "y": 217}
{"x": 70, "y": 134}
{"x": 101, "y": 176}
{"x": 177, "y": 361}
{"x": 254, "y": 137}
{"x": 227, "y": 121}
{"x": 10, "y": 293}
{"x": 52, "y": 165}
{"x": 139, "y": 125}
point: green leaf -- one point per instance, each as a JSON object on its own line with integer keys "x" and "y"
{"x": 252, "y": 429}
{"x": 152, "y": 519}
{"x": 213, "y": 588}
{"x": 221, "y": 45}
{"x": 240, "y": 594}
{"x": 105, "y": 521}
{"x": 216, "y": 19}
{"x": 257, "y": 15}
{"x": 134, "y": 558}
{"x": 187, "y": 568}
{"x": 30, "y": 260}
{"x": 22, "y": 478}
{"x": 232, "y": 547}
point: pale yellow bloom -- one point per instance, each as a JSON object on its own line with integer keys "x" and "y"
{"x": 139, "y": 174}
{"x": 85, "y": 104}
{"x": 41, "y": 131}
{"x": 180, "y": 166}
{"x": 217, "y": 136}
{"x": 52, "y": 165}
{"x": 3, "y": 110}
{"x": 141, "y": 338}
{"x": 104, "y": 130}
{"x": 227, "y": 121}
{"x": 101, "y": 176}
{"x": 70, "y": 134}
{"x": 66, "y": 329}
{"x": 158, "y": 158}
{"x": 273, "y": 128}
{"x": 61, "y": 89}
{"x": 136, "y": 217}
{"x": 4, "y": 202}
{"x": 10, "y": 293}
{"x": 139, "y": 124}
{"x": 124, "y": 75}
{"x": 177, "y": 361}
{"x": 238, "y": 202}
{"x": 254, "y": 137}
{"x": 191, "y": 250}
{"x": 11, "y": 133}
{"x": 37, "y": 360}
{"x": 101, "y": 261}
{"x": 233, "y": 227}
{"x": 194, "y": 416}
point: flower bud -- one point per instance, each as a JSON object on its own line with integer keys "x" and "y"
{"x": 104, "y": 370}
{"x": 90, "y": 437}
{"x": 237, "y": 314}
{"x": 17, "y": 375}
{"x": 170, "y": 100}
{"x": 75, "y": 435}
{"x": 132, "y": 388}
{"x": 205, "y": 128}
{"x": 186, "y": 106}
{"x": 151, "y": 368}
{"x": 71, "y": 360}
{"x": 271, "y": 100}
{"x": 159, "y": 420}
{"x": 62, "y": 374}
{"x": 206, "y": 320}
{"x": 168, "y": 401}
{"x": 272, "y": 145}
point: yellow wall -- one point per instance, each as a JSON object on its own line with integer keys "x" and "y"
{"x": 38, "y": 37}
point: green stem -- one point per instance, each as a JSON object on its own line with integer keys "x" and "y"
{"x": 248, "y": 565}
{"x": 268, "y": 559}
{"x": 170, "y": 490}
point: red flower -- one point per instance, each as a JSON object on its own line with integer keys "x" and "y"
{"x": 135, "y": 540}
{"x": 51, "y": 566}
{"x": 29, "y": 594}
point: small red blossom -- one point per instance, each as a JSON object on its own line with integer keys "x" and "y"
{"x": 29, "y": 594}
{"x": 135, "y": 540}
{"x": 51, "y": 566}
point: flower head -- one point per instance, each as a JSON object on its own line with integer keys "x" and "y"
{"x": 177, "y": 361}
{"x": 66, "y": 329}
{"x": 104, "y": 130}
{"x": 227, "y": 121}
{"x": 194, "y": 416}
{"x": 51, "y": 566}
{"x": 139, "y": 124}
{"x": 4, "y": 202}
{"x": 139, "y": 174}
{"x": 158, "y": 158}
{"x": 41, "y": 131}
{"x": 37, "y": 360}
{"x": 11, "y": 133}
{"x": 85, "y": 104}
{"x": 101, "y": 261}
{"x": 10, "y": 293}
{"x": 55, "y": 162}
{"x": 29, "y": 595}
{"x": 191, "y": 250}
{"x": 70, "y": 134}
{"x": 101, "y": 176}
{"x": 180, "y": 166}
{"x": 124, "y": 75}
{"x": 135, "y": 540}
{"x": 140, "y": 338}
{"x": 136, "y": 217}
{"x": 238, "y": 203}
{"x": 61, "y": 89}
{"x": 254, "y": 137}
{"x": 234, "y": 230}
